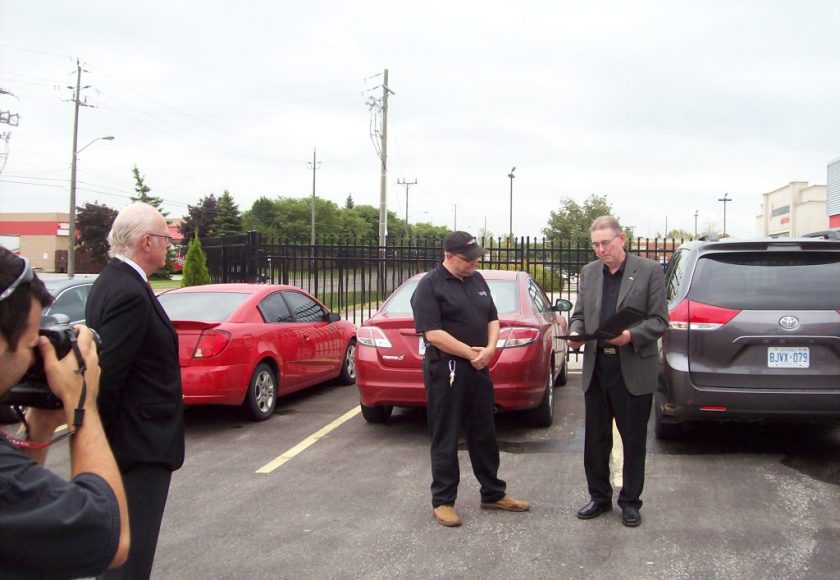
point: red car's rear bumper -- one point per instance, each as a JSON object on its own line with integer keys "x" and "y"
{"x": 518, "y": 380}
{"x": 222, "y": 385}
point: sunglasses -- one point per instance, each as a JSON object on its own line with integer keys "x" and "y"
{"x": 25, "y": 276}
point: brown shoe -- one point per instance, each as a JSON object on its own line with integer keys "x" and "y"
{"x": 447, "y": 516}
{"x": 507, "y": 503}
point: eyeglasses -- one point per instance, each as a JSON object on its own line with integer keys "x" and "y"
{"x": 25, "y": 276}
{"x": 464, "y": 258}
{"x": 596, "y": 245}
{"x": 169, "y": 239}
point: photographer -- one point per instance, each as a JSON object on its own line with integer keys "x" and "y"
{"x": 50, "y": 527}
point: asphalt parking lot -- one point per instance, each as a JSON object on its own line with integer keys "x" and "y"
{"x": 315, "y": 492}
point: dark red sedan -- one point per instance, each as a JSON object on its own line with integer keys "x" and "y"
{"x": 529, "y": 360}
{"x": 246, "y": 344}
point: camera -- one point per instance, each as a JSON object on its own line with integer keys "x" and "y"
{"x": 33, "y": 391}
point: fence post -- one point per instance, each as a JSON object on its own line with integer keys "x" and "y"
{"x": 252, "y": 247}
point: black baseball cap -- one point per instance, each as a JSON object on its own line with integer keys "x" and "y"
{"x": 463, "y": 244}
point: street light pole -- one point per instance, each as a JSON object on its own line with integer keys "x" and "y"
{"x": 71, "y": 225}
{"x": 725, "y": 199}
{"x": 510, "y": 213}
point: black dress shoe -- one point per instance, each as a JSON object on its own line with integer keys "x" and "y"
{"x": 630, "y": 516}
{"x": 593, "y": 509}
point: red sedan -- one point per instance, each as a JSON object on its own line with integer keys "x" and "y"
{"x": 246, "y": 344}
{"x": 529, "y": 360}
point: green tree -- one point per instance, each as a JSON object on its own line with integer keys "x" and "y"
{"x": 679, "y": 234}
{"x": 143, "y": 191}
{"x": 262, "y": 217}
{"x": 228, "y": 220}
{"x": 195, "y": 265}
{"x": 570, "y": 223}
{"x": 200, "y": 218}
{"x": 94, "y": 222}
{"x": 348, "y": 203}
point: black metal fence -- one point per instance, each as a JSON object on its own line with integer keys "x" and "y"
{"x": 354, "y": 276}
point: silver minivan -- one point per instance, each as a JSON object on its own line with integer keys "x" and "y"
{"x": 754, "y": 333}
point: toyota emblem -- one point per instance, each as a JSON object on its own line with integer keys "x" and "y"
{"x": 789, "y": 322}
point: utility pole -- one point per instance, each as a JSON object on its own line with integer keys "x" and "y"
{"x": 725, "y": 199}
{"x": 383, "y": 195}
{"x": 314, "y": 164}
{"x": 455, "y": 217}
{"x": 71, "y": 227}
{"x": 407, "y": 185}
{"x": 695, "y": 223}
{"x": 510, "y": 214}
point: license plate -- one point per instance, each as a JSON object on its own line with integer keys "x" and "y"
{"x": 788, "y": 357}
{"x": 422, "y": 347}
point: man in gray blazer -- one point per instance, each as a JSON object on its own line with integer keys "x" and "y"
{"x": 619, "y": 374}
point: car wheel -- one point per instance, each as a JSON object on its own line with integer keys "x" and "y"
{"x": 563, "y": 376}
{"x": 348, "y": 365}
{"x": 543, "y": 416}
{"x": 262, "y": 393}
{"x": 377, "y": 413}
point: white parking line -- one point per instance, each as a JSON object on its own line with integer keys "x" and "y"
{"x": 617, "y": 459}
{"x": 297, "y": 449}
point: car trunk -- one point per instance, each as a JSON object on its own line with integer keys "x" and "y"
{"x": 765, "y": 321}
{"x": 188, "y": 335}
{"x": 407, "y": 345}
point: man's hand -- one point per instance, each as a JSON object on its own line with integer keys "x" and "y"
{"x": 482, "y": 357}
{"x": 574, "y": 344}
{"x": 63, "y": 377}
{"x": 621, "y": 339}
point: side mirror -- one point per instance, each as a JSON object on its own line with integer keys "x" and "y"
{"x": 333, "y": 317}
{"x": 562, "y": 305}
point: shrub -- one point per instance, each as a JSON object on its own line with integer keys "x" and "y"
{"x": 195, "y": 265}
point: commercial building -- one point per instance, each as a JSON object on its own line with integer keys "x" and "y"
{"x": 793, "y": 210}
{"x": 833, "y": 194}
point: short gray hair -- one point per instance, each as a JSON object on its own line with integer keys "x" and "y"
{"x": 606, "y": 222}
{"x": 131, "y": 224}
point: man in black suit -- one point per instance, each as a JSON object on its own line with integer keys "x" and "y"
{"x": 619, "y": 375}
{"x": 140, "y": 394}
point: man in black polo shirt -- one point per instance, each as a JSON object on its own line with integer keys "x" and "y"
{"x": 455, "y": 312}
{"x": 619, "y": 374}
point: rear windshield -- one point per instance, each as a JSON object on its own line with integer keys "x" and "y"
{"x": 504, "y": 292}
{"x": 201, "y": 306}
{"x": 768, "y": 280}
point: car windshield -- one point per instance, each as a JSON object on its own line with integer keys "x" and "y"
{"x": 504, "y": 292}
{"x": 768, "y": 280}
{"x": 203, "y": 306}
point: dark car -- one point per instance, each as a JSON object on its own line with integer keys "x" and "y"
{"x": 754, "y": 333}
{"x": 70, "y": 296}
{"x": 529, "y": 361}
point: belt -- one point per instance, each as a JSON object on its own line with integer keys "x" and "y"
{"x": 608, "y": 350}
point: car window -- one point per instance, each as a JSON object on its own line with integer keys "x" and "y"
{"x": 303, "y": 308}
{"x": 71, "y": 303}
{"x": 505, "y": 295}
{"x": 768, "y": 280}
{"x": 275, "y": 309}
{"x": 201, "y": 306}
{"x": 674, "y": 275}
{"x": 400, "y": 302}
{"x": 538, "y": 297}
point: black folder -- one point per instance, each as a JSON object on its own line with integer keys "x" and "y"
{"x": 612, "y": 326}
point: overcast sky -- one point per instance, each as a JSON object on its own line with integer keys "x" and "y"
{"x": 663, "y": 107}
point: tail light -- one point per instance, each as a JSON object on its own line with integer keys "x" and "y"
{"x": 513, "y": 336}
{"x": 372, "y": 336}
{"x": 690, "y": 315}
{"x": 211, "y": 343}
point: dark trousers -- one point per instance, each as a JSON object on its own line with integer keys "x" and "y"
{"x": 146, "y": 489}
{"x": 607, "y": 398}
{"x": 468, "y": 402}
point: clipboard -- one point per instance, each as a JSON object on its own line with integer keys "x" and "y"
{"x": 612, "y": 326}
